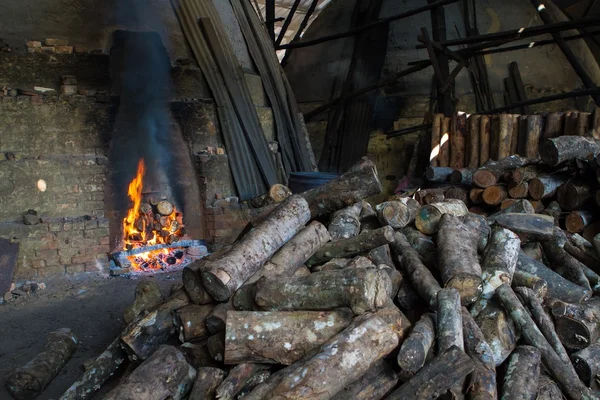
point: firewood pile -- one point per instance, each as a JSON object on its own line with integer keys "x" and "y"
{"x": 327, "y": 297}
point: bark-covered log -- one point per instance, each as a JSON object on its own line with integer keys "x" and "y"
{"x": 432, "y": 195}
{"x": 438, "y": 174}
{"x": 499, "y": 331}
{"x": 395, "y": 277}
{"x": 165, "y": 374}
{"x": 361, "y": 289}
{"x": 279, "y": 337}
{"x": 333, "y": 264}
{"x": 341, "y": 361}
{"x": 417, "y": 346}
{"x": 562, "y": 262}
{"x": 553, "y": 209}
{"x": 345, "y": 223}
{"x": 521, "y": 206}
{"x": 436, "y": 136}
{"x": 533, "y": 135}
{"x": 198, "y": 355}
{"x": 538, "y": 206}
{"x": 144, "y": 336}
{"x": 444, "y": 372}
{"x": 207, "y": 381}
{"x": 529, "y": 227}
{"x": 587, "y": 363}
{"x": 147, "y": 297}
{"x": 473, "y": 124}
{"x": 457, "y": 193}
{"x": 489, "y": 173}
{"x": 28, "y": 381}
{"x": 482, "y": 382}
{"x": 533, "y": 250}
{"x": 481, "y": 228}
{"x": 528, "y": 172}
{"x": 423, "y": 245}
{"x": 530, "y": 281}
{"x": 237, "y": 379}
{"x": 190, "y": 320}
{"x": 572, "y": 195}
{"x": 484, "y": 139}
{"x": 444, "y": 154}
{"x": 449, "y": 320}
{"x": 518, "y": 190}
{"x": 216, "y": 347}
{"x": 577, "y": 325}
{"x": 587, "y": 256}
{"x": 558, "y": 287}
{"x": 576, "y": 221}
{"x": 502, "y": 128}
{"x": 349, "y": 247}
{"x": 557, "y": 150}
{"x": 358, "y": 183}
{"x": 215, "y": 321}
{"x": 476, "y": 195}
{"x": 381, "y": 255}
{"x": 407, "y": 297}
{"x": 545, "y": 186}
{"x": 378, "y": 381}
{"x": 462, "y": 176}
{"x": 458, "y": 136}
{"x": 493, "y": 195}
{"x": 278, "y": 193}
{"x": 562, "y": 372}
{"x": 548, "y": 389}
{"x": 222, "y": 277}
{"x": 398, "y": 214}
{"x": 193, "y": 283}
{"x": 554, "y": 125}
{"x": 459, "y": 264}
{"x": 421, "y": 278}
{"x": 429, "y": 216}
{"x": 522, "y": 374}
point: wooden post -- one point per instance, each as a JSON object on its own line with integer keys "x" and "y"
{"x": 484, "y": 139}
{"x": 554, "y": 124}
{"x": 458, "y": 134}
{"x": 444, "y": 156}
{"x": 436, "y": 136}
{"x": 502, "y": 128}
{"x": 473, "y": 146}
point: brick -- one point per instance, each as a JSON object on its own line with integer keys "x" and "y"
{"x": 80, "y": 242}
{"x": 34, "y": 44}
{"x": 223, "y": 233}
{"x": 55, "y": 226}
{"x": 95, "y": 233}
{"x": 83, "y": 259}
{"x": 78, "y": 225}
{"x": 210, "y": 218}
{"x": 68, "y": 90}
{"x": 37, "y": 263}
{"x": 98, "y": 213}
{"x": 48, "y": 253}
{"x": 56, "y": 42}
{"x": 96, "y": 251}
{"x": 64, "y": 260}
{"x": 47, "y": 49}
{"x": 75, "y": 268}
{"x": 91, "y": 224}
{"x": 37, "y": 100}
{"x": 94, "y": 205}
{"x": 64, "y": 49}
{"x": 68, "y": 226}
{"x": 51, "y": 270}
{"x": 69, "y": 252}
{"x": 222, "y": 224}
{"x": 97, "y": 196}
{"x": 103, "y": 223}
{"x": 209, "y": 211}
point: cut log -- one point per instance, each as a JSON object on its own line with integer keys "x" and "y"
{"x": 576, "y": 221}
{"x": 428, "y": 196}
{"x": 28, "y": 381}
{"x": 482, "y": 383}
{"x": 279, "y": 337}
{"x": 429, "y": 216}
{"x": 333, "y": 264}
{"x": 507, "y": 203}
{"x": 548, "y": 388}
{"x": 421, "y": 278}
{"x": 378, "y": 381}
{"x": 587, "y": 363}
{"x": 489, "y": 173}
{"x": 438, "y": 174}
{"x": 349, "y": 247}
{"x": 395, "y": 277}
{"x": 533, "y": 250}
{"x": 586, "y": 256}
{"x": 545, "y": 186}
{"x": 529, "y": 227}
{"x": 417, "y": 346}
{"x": 521, "y": 206}
{"x": 198, "y": 355}
{"x": 499, "y": 331}
{"x": 222, "y": 277}
{"x": 407, "y": 297}
{"x": 553, "y": 209}
{"x": 562, "y": 372}
{"x": 518, "y": 190}
{"x": 345, "y": 223}
{"x": 459, "y": 264}
{"x": 493, "y": 195}
{"x": 449, "y": 320}
{"x": 165, "y": 208}
{"x": 144, "y": 336}
{"x": 522, "y": 374}
{"x": 193, "y": 283}
{"x": 473, "y": 123}
{"x": 165, "y": 374}
{"x": 560, "y": 149}
{"x": 458, "y": 136}
{"x": 358, "y": 183}
{"x": 476, "y": 195}
{"x": 398, "y": 214}
{"x": 361, "y": 289}
{"x": 554, "y": 125}
{"x": 190, "y": 322}
{"x": 533, "y": 136}
{"x": 501, "y": 136}
{"x": 462, "y": 176}
{"x": 479, "y": 224}
{"x": 562, "y": 262}
{"x": 215, "y": 321}
{"x": 381, "y": 255}
{"x": 216, "y": 347}
{"x": 436, "y": 135}
{"x": 423, "y": 245}
{"x": 207, "y": 381}
{"x": 528, "y": 172}
{"x": 278, "y": 193}
{"x": 530, "y": 281}
{"x": 444, "y": 156}
{"x": 484, "y": 139}
{"x": 538, "y": 205}
{"x": 444, "y": 372}
{"x": 147, "y": 297}
{"x": 577, "y": 325}
{"x": 514, "y": 139}
{"x": 457, "y": 193}
{"x": 237, "y": 379}
{"x": 572, "y": 195}
{"x": 341, "y": 361}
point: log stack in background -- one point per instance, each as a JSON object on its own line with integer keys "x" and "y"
{"x": 321, "y": 300}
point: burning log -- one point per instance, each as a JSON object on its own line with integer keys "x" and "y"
{"x": 378, "y": 381}
{"x": 361, "y": 289}
{"x": 279, "y": 337}
{"x": 518, "y": 190}
{"x": 557, "y": 150}
{"x": 577, "y": 325}
{"x": 522, "y": 376}
{"x": 417, "y": 346}
{"x": 529, "y": 227}
{"x": 207, "y": 381}
{"x": 429, "y": 216}
{"x": 459, "y": 264}
{"x": 215, "y": 321}
{"x": 489, "y": 173}
{"x": 587, "y": 363}
{"x": 222, "y": 277}
{"x": 545, "y": 186}
{"x": 165, "y": 374}
{"x": 499, "y": 331}
{"x": 444, "y": 372}
{"x": 484, "y": 139}
{"x": 482, "y": 383}
{"x": 165, "y": 208}
{"x": 562, "y": 262}
{"x": 349, "y": 247}
{"x": 398, "y": 214}
{"x": 144, "y": 336}
{"x": 238, "y": 378}
{"x": 147, "y": 297}
{"x": 576, "y": 221}
{"x": 494, "y": 195}
{"x": 572, "y": 195}
{"x": 28, "y": 381}
{"x": 190, "y": 320}
{"x": 345, "y": 223}
{"x": 537, "y": 285}
{"x": 438, "y": 174}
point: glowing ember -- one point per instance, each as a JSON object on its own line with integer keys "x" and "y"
{"x": 147, "y": 225}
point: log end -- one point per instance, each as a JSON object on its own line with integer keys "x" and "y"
{"x": 215, "y": 286}
{"x": 574, "y": 223}
{"x": 192, "y": 282}
{"x": 428, "y": 220}
{"x": 536, "y": 189}
{"x": 549, "y": 153}
{"x": 469, "y": 287}
{"x": 572, "y": 333}
{"x": 484, "y": 178}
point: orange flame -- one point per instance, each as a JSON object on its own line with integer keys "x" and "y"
{"x": 135, "y": 194}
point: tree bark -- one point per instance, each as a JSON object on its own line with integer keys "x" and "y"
{"x": 521, "y": 206}
{"x": 345, "y": 223}
{"x": 215, "y": 321}
{"x": 528, "y": 172}
{"x": 28, "y": 381}
{"x": 522, "y": 374}
{"x": 553, "y": 209}
{"x": 537, "y": 285}
{"x": 474, "y": 121}
{"x": 361, "y": 289}
{"x": 417, "y": 346}
{"x": 165, "y": 374}
{"x": 237, "y": 379}
{"x": 586, "y": 256}
{"x": 190, "y": 321}
{"x": 381, "y": 255}
{"x": 493, "y": 195}
{"x": 562, "y": 262}
{"x": 462, "y": 176}
{"x": 147, "y": 297}
{"x": 438, "y": 174}
{"x": 457, "y": 193}
{"x": 216, "y": 347}
{"x": 533, "y": 136}
{"x": 198, "y": 355}
{"x": 563, "y": 373}
{"x": 144, "y": 336}
{"x": 449, "y": 320}
{"x": 279, "y": 337}
{"x": 358, "y": 183}
{"x": 572, "y": 195}
{"x": 545, "y": 186}
{"x": 587, "y": 363}
{"x": 482, "y": 383}
{"x": 554, "y": 125}
{"x": 436, "y": 136}
{"x": 429, "y": 216}
{"x": 488, "y": 174}
{"x": 548, "y": 388}
{"x": 207, "y": 381}
{"x": 577, "y": 325}
{"x": 428, "y": 196}
{"x": 560, "y": 149}
{"x": 378, "y": 381}
{"x": 423, "y": 245}
{"x": 444, "y": 156}
{"x": 458, "y": 135}
{"x": 518, "y": 190}
{"x": 499, "y": 331}
{"x": 481, "y": 228}
{"x": 484, "y": 139}
{"x": 445, "y": 371}
{"x": 459, "y": 264}
{"x": 398, "y": 214}
{"x": 576, "y": 221}
{"x": 348, "y": 247}
{"x": 529, "y": 227}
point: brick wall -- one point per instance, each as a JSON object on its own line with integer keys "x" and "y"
{"x": 224, "y": 224}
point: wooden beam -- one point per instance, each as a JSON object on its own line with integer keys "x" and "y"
{"x": 270, "y": 18}
{"x": 287, "y": 22}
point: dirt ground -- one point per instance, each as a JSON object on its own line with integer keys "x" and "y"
{"x": 91, "y": 305}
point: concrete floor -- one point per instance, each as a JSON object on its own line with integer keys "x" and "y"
{"x": 91, "y": 305}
